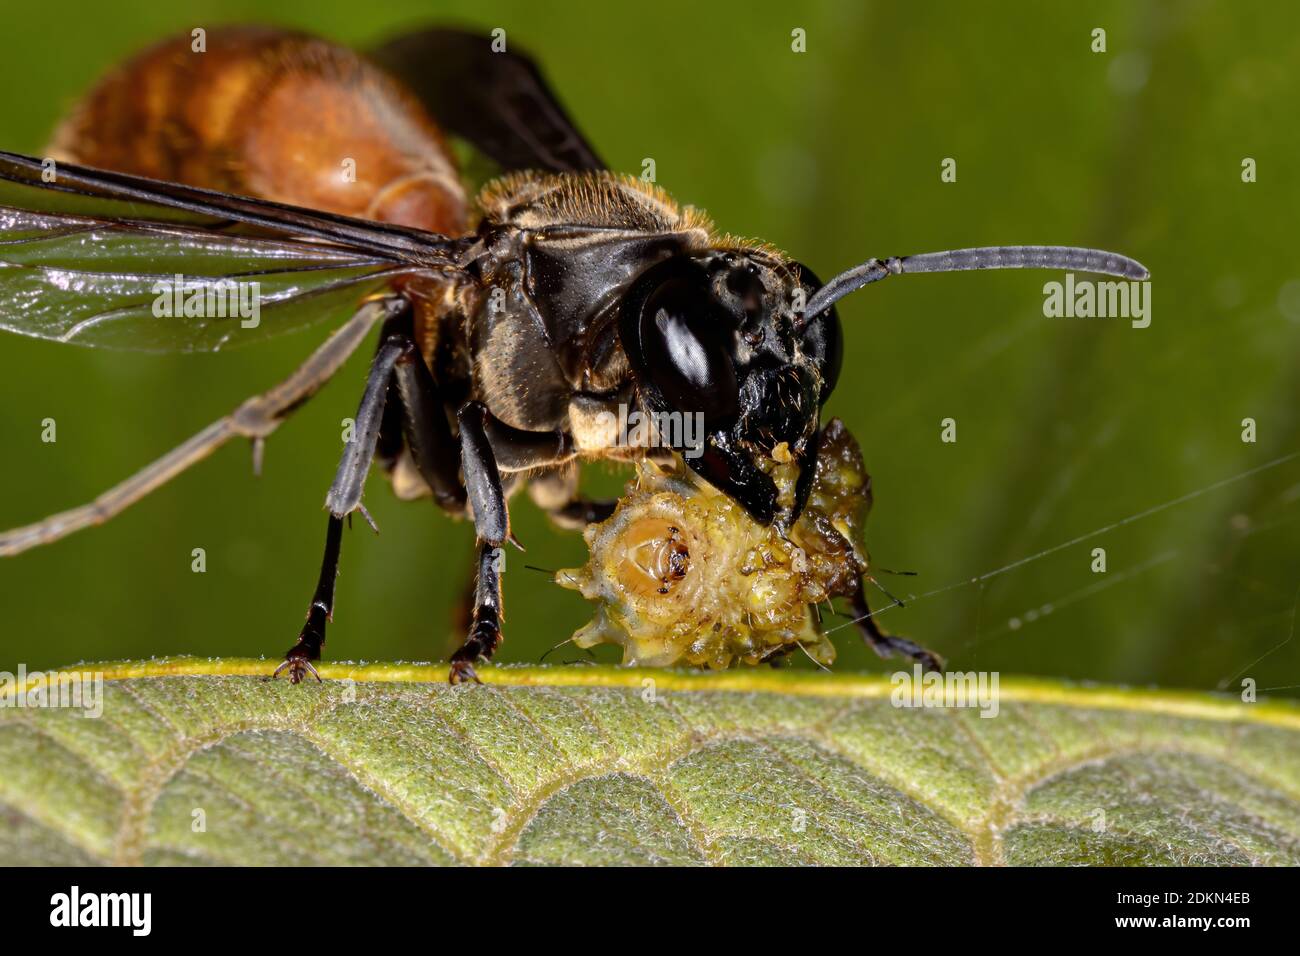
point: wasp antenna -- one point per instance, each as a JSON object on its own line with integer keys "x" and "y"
{"x": 985, "y": 257}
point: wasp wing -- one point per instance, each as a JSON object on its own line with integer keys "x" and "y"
{"x": 498, "y": 101}
{"x": 116, "y": 261}
{"x": 113, "y": 284}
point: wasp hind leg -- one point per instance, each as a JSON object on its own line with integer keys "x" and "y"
{"x": 256, "y": 419}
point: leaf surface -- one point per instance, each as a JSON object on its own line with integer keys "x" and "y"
{"x": 196, "y": 761}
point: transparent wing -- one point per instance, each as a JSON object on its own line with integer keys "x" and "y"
{"x": 111, "y": 261}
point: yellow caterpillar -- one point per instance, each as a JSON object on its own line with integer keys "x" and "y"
{"x": 681, "y": 574}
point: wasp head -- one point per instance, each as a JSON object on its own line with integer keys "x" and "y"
{"x": 721, "y": 337}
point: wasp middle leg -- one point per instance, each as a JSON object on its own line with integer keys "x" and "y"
{"x": 343, "y": 498}
{"x": 397, "y": 368}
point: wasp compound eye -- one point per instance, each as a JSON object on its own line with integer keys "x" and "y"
{"x": 687, "y": 343}
{"x": 684, "y": 342}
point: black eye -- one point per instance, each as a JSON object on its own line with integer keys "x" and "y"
{"x": 685, "y": 340}
{"x": 821, "y": 339}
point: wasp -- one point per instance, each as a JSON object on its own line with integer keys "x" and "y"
{"x": 516, "y": 328}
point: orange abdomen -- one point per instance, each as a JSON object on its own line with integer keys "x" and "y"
{"x": 274, "y": 115}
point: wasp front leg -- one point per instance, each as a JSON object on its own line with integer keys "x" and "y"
{"x": 488, "y": 447}
{"x": 556, "y": 492}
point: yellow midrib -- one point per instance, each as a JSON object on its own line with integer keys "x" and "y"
{"x": 1012, "y": 689}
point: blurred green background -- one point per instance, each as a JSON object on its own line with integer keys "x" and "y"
{"x": 1064, "y": 426}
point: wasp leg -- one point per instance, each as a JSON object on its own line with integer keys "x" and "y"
{"x": 343, "y": 498}
{"x": 424, "y": 428}
{"x": 391, "y": 441}
{"x": 435, "y": 451}
{"x": 577, "y": 513}
{"x": 777, "y": 656}
{"x": 887, "y": 644}
{"x": 491, "y": 528}
{"x": 485, "y": 625}
{"x": 256, "y": 418}
{"x": 489, "y": 447}
{"x": 556, "y": 492}
{"x": 299, "y": 659}
{"x": 344, "y": 495}
{"x": 462, "y": 611}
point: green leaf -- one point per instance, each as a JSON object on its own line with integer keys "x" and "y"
{"x": 387, "y": 764}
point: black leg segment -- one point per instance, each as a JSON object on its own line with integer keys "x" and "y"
{"x": 580, "y": 512}
{"x": 488, "y": 447}
{"x": 491, "y": 527}
{"x": 887, "y": 644}
{"x": 312, "y": 637}
{"x": 345, "y": 493}
{"x": 485, "y": 626}
{"x": 434, "y": 449}
{"x": 343, "y": 498}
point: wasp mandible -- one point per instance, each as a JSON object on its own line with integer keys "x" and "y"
{"x": 514, "y": 327}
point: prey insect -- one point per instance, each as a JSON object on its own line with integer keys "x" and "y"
{"x": 681, "y": 574}
{"x": 515, "y": 328}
